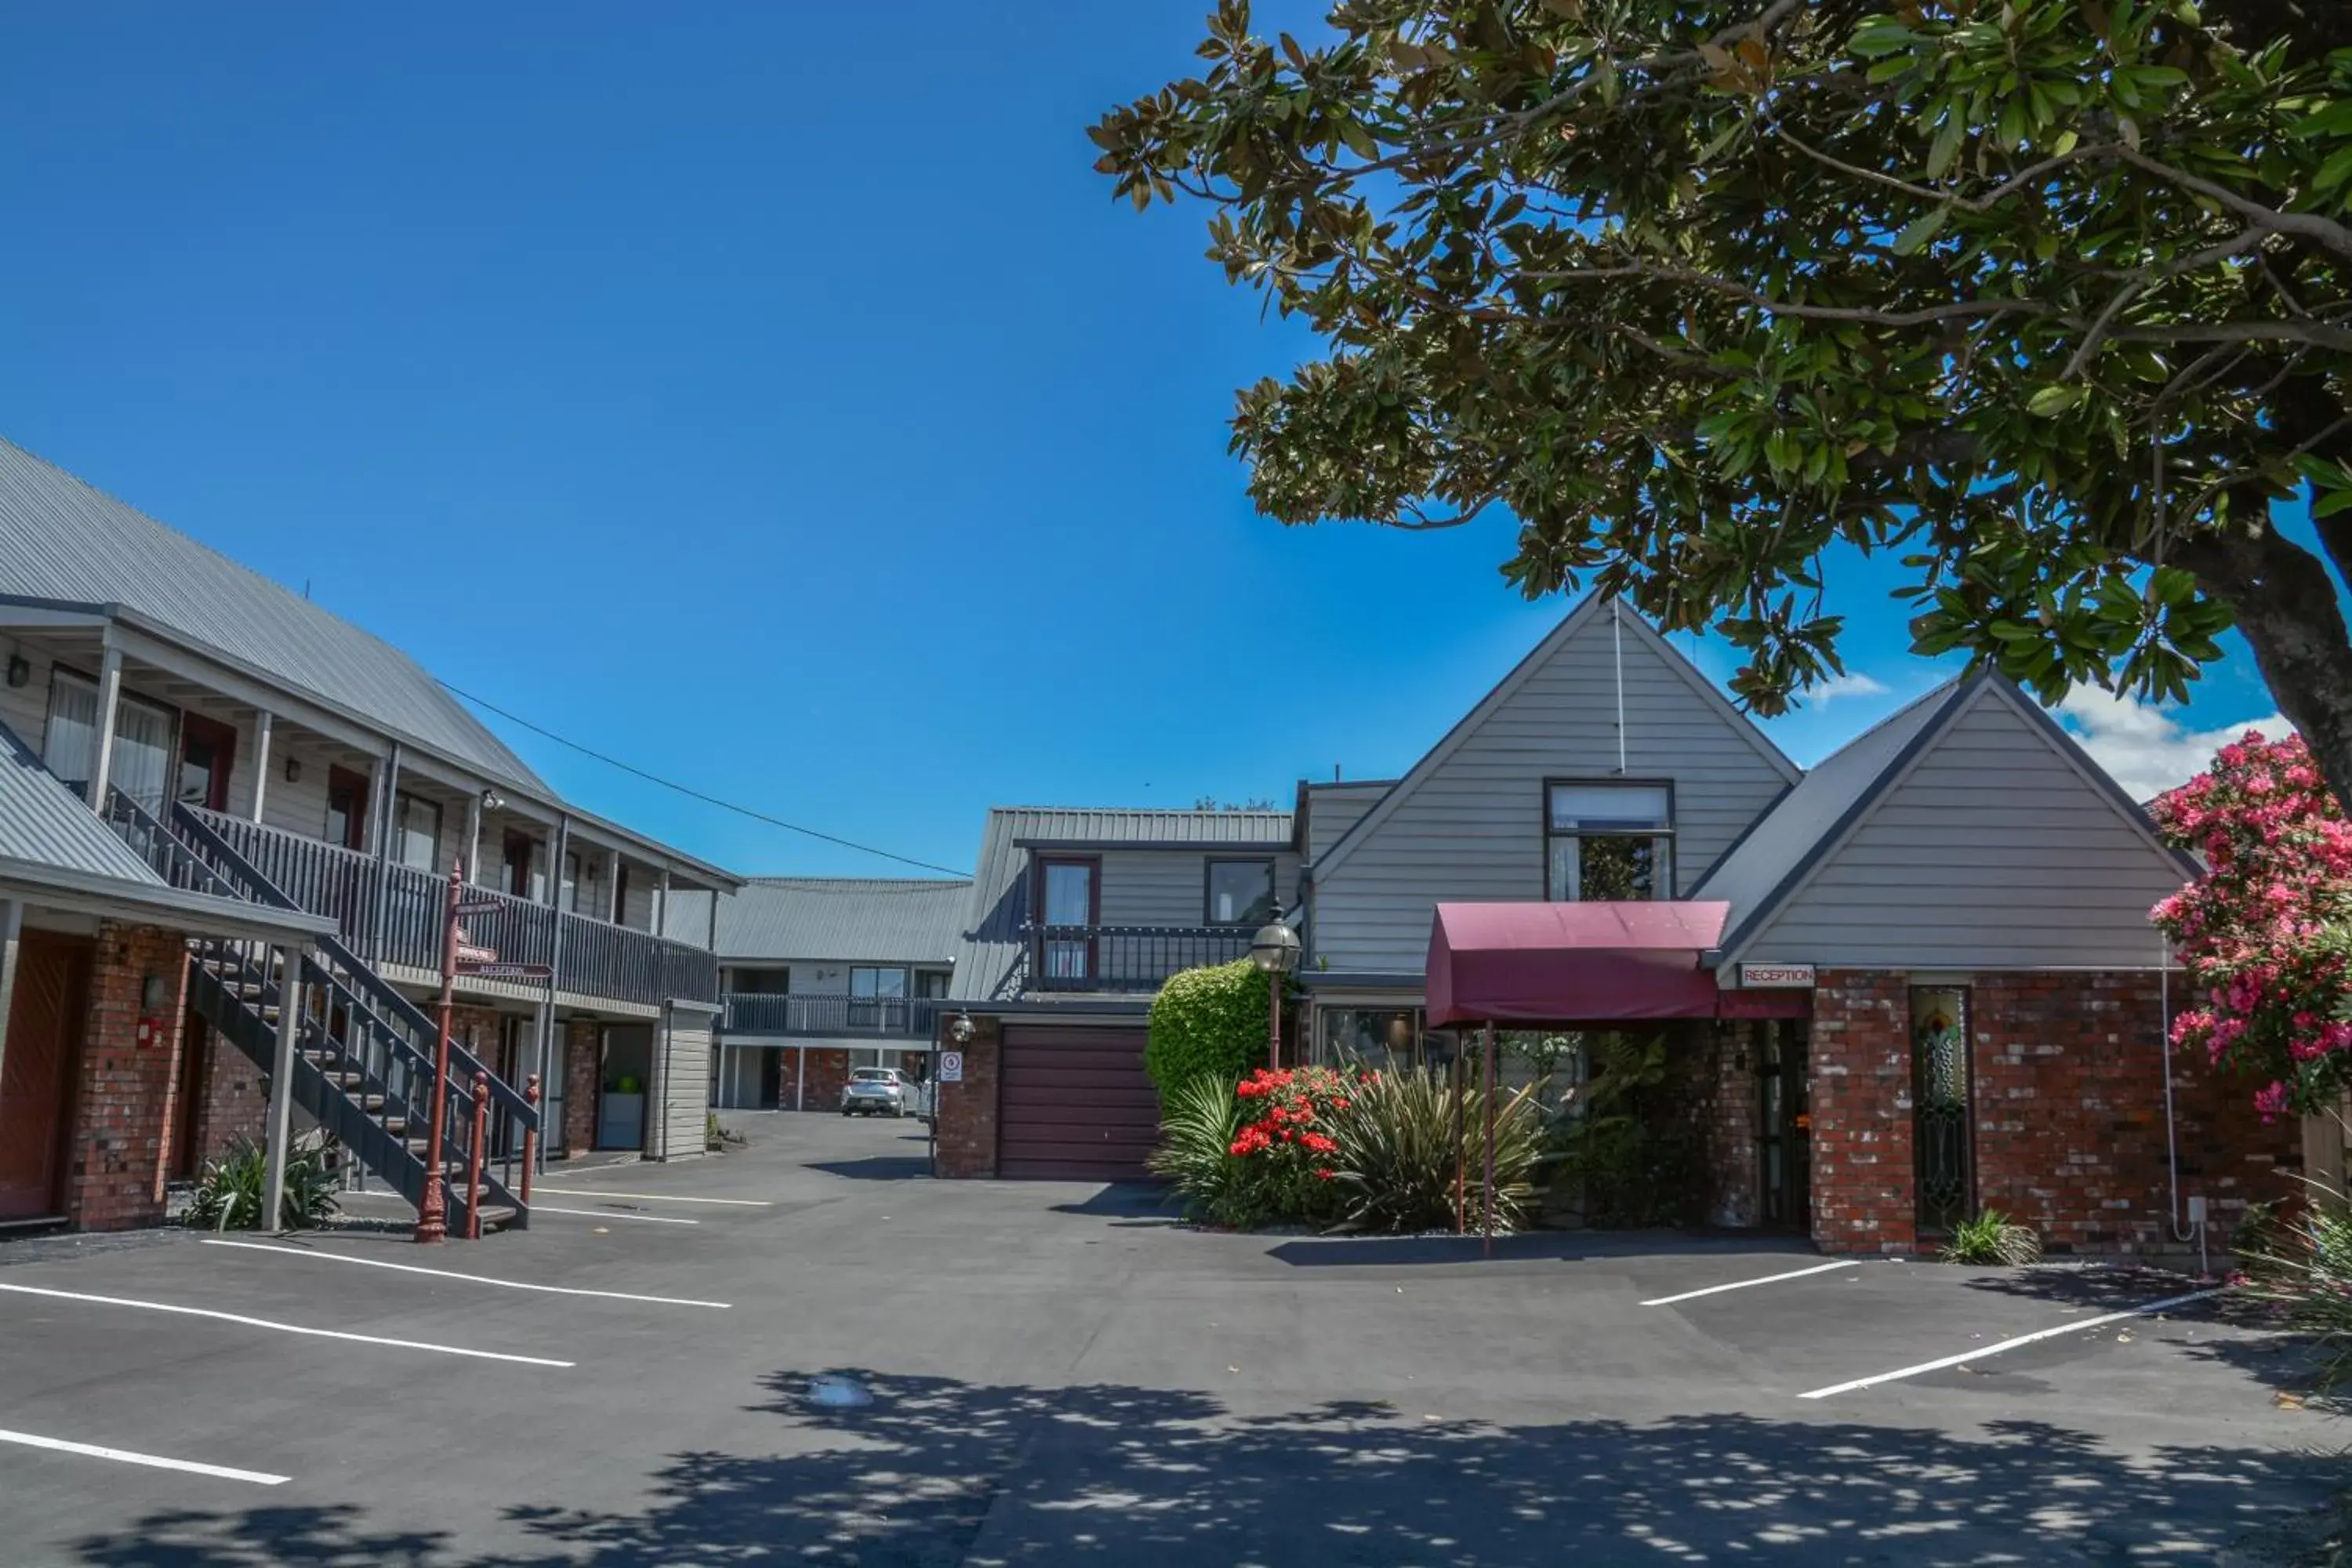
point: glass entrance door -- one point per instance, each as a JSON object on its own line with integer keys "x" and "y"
{"x": 1784, "y": 1133}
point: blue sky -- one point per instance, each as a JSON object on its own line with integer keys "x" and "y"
{"x": 781, "y": 405}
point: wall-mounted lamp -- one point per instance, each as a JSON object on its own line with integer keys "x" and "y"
{"x": 154, "y": 994}
{"x": 493, "y": 801}
{"x": 20, "y": 670}
{"x": 961, "y": 1031}
{"x": 293, "y": 769}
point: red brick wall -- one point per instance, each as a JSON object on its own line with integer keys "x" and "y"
{"x": 582, "y": 1062}
{"x": 967, "y": 1111}
{"x": 1865, "y": 1189}
{"x": 828, "y": 1076}
{"x": 235, "y": 1094}
{"x": 1722, "y": 1086}
{"x": 124, "y": 1090}
{"x": 2068, "y": 1081}
{"x": 2067, "y": 1115}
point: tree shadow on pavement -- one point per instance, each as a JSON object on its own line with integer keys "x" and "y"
{"x": 936, "y": 1471}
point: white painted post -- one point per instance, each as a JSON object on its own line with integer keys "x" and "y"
{"x": 263, "y": 728}
{"x": 11, "y": 921}
{"x": 102, "y": 744}
{"x": 800, "y": 1078}
{"x": 545, "y": 1063}
{"x": 474, "y": 838}
{"x": 661, "y": 903}
{"x": 281, "y": 1130}
{"x": 612, "y": 887}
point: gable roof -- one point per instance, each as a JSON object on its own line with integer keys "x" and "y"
{"x": 1782, "y": 843}
{"x": 1586, "y": 610}
{"x": 65, "y": 542}
{"x": 856, "y": 919}
{"x": 1773, "y": 864}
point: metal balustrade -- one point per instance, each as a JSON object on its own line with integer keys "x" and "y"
{"x": 1136, "y": 958}
{"x": 883, "y": 1017}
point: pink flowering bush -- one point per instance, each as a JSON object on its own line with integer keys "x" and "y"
{"x": 2266, "y": 933}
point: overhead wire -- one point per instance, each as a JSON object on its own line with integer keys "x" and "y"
{"x": 693, "y": 793}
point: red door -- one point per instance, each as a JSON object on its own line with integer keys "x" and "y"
{"x": 1075, "y": 1104}
{"x": 37, "y": 1070}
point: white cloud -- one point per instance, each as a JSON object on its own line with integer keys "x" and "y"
{"x": 1853, "y": 683}
{"x": 2148, "y": 750}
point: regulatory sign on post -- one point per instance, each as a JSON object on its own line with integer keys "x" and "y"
{"x": 1771, "y": 976}
{"x": 950, "y": 1067}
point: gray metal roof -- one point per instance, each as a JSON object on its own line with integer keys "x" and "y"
{"x": 1784, "y": 840}
{"x": 62, "y": 540}
{"x": 44, "y": 824}
{"x": 988, "y": 963}
{"x": 853, "y": 919}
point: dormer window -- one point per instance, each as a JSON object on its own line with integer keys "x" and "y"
{"x": 1608, "y": 841}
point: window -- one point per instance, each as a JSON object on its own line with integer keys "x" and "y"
{"x": 1069, "y": 900}
{"x": 347, "y": 795}
{"x": 1241, "y": 893}
{"x": 877, "y": 998}
{"x": 1378, "y": 1037}
{"x": 1608, "y": 842}
{"x": 1939, "y": 1104}
{"x": 415, "y": 832}
{"x": 568, "y": 896}
{"x": 72, "y": 726}
{"x": 524, "y": 878}
{"x": 931, "y": 982}
{"x": 141, "y": 767}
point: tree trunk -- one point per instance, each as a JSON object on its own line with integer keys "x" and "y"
{"x": 2285, "y": 604}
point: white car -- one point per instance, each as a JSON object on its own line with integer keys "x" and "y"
{"x": 875, "y": 1091}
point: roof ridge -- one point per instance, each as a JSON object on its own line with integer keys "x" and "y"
{"x": 1159, "y": 810}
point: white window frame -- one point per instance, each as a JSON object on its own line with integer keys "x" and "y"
{"x": 1656, "y": 827}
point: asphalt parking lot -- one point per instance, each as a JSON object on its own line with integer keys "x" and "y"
{"x": 807, "y": 1350}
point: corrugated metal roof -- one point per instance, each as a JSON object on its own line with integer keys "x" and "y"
{"x": 988, "y": 963}
{"x": 45, "y": 824}
{"x": 1784, "y": 838}
{"x": 853, "y": 919}
{"x": 62, "y": 539}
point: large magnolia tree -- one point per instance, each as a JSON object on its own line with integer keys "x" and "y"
{"x": 2051, "y": 298}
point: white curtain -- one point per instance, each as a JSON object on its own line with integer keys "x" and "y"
{"x": 73, "y": 722}
{"x": 142, "y": 753}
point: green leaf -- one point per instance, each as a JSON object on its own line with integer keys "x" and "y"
{"x": 1947, "y": 146}
{"x": 2055, "y": 399}
{"x": 1920, "y": 230}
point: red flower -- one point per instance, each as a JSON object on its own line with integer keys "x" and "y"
{"x": 1319, "y": 1144}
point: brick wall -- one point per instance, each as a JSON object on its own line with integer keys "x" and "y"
{"x": 1721, "y": 1082}
{"x": 2068, "y": 1086}
{"x": 2066, "y": 1115}
{"x": 125, "y": 1090}
{"x": 1864, "y": 1186}
{"x": 967, "y": 1111}
{"x": 581, "y": 1064}
{"x": 234, "y": 1093}
{"x": 828, "y": 1076}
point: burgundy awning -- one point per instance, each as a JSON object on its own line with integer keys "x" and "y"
{"x": 1578, "y": 963}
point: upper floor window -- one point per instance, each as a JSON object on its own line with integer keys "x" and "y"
{"x": 1606, "y": 842}
{"x": 67, "y": 742}
{"x": 1241, "y": 893}
{"x": 415, "y": 832}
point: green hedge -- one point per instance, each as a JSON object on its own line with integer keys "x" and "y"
{"x": 1207, "y": 1022}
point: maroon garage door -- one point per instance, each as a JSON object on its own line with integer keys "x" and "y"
{"x": 1075, "y": 1104}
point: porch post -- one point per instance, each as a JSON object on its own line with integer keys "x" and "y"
{"x": 11, "y": 921}
{"x": 1486, "y": 1098}
{"x": 387, "y": 773}
{"x": 281, "y": 1087}
{"x": 613, "y": 887}
{"x": 474, "y": 838}
{"x": 661, "y": 903}
{"x": 102, "y": 744}
{"x": 800, "y": 1077}
{"x": 264, "y": 725}
{"x": 544, "y": 1056}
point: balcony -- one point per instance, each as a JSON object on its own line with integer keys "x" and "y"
{"x": 1130, "y": 959}
{"x": 752, "y": 1014}
{"x": 393, "y": 914}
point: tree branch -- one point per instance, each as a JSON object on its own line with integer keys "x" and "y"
{"x": 2236, "y": 245}
{"x": 2326, "y": 233}
{"x": 1957, "y": 309}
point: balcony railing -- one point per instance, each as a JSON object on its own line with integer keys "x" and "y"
{"x": 883, "y": 1017}
{"x": 1126, "y": 958}
{"x": 393, "y": 914}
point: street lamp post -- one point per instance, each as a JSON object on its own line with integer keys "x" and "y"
{"x": 1275, "y": 949}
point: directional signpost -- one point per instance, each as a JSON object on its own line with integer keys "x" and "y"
{"x": 494, "y": 971}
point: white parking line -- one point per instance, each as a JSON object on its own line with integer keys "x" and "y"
{"x": 283, "y": 1328}
{"x": 1743, "y": 1284}
{"x": 1938, "y": 1365}
{"x": 152, "y": 1461}
{"x": 613, "y": 1214}
{"x": 653, "y": 1197}
{"x": 471, "y": 1279}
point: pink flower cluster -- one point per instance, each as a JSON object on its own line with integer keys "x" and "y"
{"x": 2266, "y": 933}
